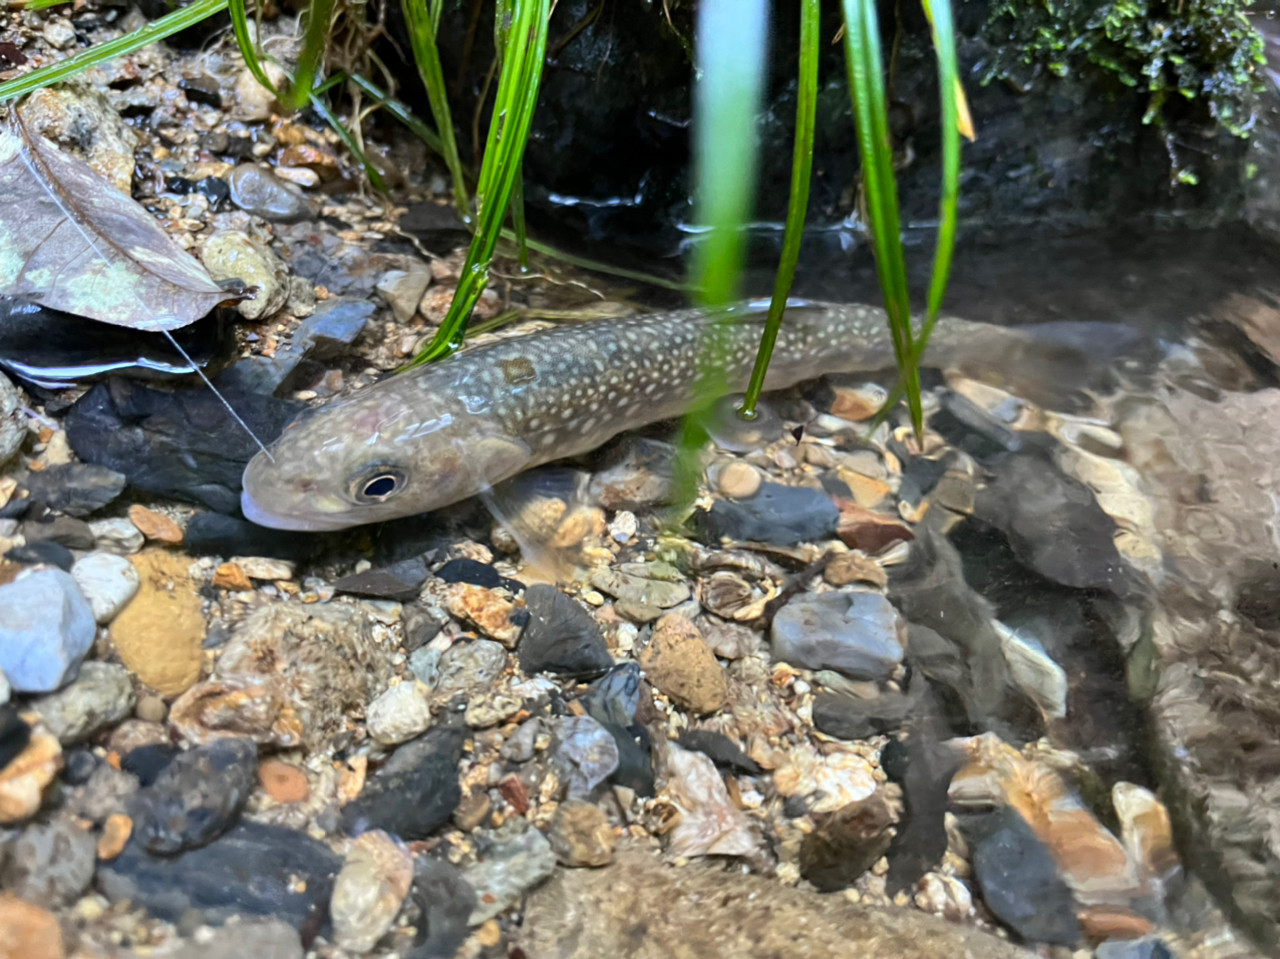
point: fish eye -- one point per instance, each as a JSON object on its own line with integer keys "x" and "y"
{"x": 377, "y": 484}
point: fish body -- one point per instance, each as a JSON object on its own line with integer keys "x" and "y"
{"x": 443, "y": 432}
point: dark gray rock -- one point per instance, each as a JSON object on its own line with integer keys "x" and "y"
{"x": 253, "y": 870}
{"x": 1020, "y": 883}
{"x": 257, "y": 190}
{"x": 444, "y": 900}
{"x": 50, "y": 863}
{"x": 182, "y": 443}
{"x": 781, "y": 515}
{"x": 196, "y": 797}
{"x": 148, "y": 762}
{"x": 721, "y": 750}
{"x": 923, "y": 768}
{"x": 852, "y": 717}
{"x": 845, "y": 844}
{"x": 329, "y": 332}
{"x": 213, "y": 534}
{"x": 64, "y": 530}
{"x": 14, "y": 733}
{"x": 858, "y": 634}
{"x": 560, "y": 636}
{"x": 615, "y": 696}
{"x": 477, "y": 574}
{"x": 76, "y": 489}
{"x": 46, "y": 630}
{"x": 416, "y": 792}
{"x": 635, "y": 759}
{"x": 420, "y": 627}
{"x": 400, "y": 581}
{"x": 45, "y": 552}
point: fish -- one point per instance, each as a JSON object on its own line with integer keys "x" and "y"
{"x": 437, "y": 434}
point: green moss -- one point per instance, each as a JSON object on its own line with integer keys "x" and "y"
{"x": 1202, "y": 53}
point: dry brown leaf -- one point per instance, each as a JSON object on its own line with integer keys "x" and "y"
{"x": 71, "y": 241}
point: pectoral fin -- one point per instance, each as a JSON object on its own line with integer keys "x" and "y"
{"x": 497, "y": 457}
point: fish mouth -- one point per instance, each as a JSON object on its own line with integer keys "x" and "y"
{"x": 254, "y": 513}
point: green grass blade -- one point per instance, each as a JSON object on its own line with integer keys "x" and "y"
{"x": 314, "y": 42}
{"x": 609, "y": 269}
{"x": 166, "y": 26}
{"x": 949, "y": 91}
{"x": 349, "y": 142}
{"x": 801, "y": 168}
{"x": 248, "y": 49}
{"x": 400, "y": 112}
{"x": 45, "y": 4}
{"x": 866, "y": 87}
{"x": 518, "y": 84}
{"x": 422, "y": 25}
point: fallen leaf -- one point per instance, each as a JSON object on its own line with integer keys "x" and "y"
{"x": 71, "y": 241}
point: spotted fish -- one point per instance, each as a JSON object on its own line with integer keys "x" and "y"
{"x": 446, "y": 431}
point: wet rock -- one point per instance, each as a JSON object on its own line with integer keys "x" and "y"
{"x": 1034, "y": 671}
{"x": 283, "y": 782}
{"x": 424, "y": 663}
{"x": 196, "y": 798}
{"x": 12, "y": 430}
{"x": 580, "y": 835}
{"x": 781, "y": 515}
{"x": 76, "y": 115}
{"x": 230, "y": 254}
{"x": 519, "y": 859}
{"x": 155, "y": 526}
{"x": 212, "y": 534}
{"x": 116, "y": 535}
{"x": 1145, "y": 948}
{"x": 399, "y": 714}
{"x": 14, "y": 734}
{"x": 846, "y": 843}
{"x": 635, "y": 764}
{"x": 710, "y": 824}
{"x": 854, "y": 567}
{"x": 444, "y": 900}
{"x": 491, "y": 707}
{"x": 329, "y": 332}
{"x": 703, "y": 909}
{"x": 739, "y": 480}
{"x": 485, "y": 609}
{"x": 266, "y": 568}
{"x": 852, "y": 717}
{"x": 46, "y": 630}
{"x": 824, "y": 782}
{"x": 267, "y": 938}
{"x": 257, "y": 190}
{"x": 49, "y": 864}
{"x": 426, "y": 769}
{"x": 420, "y": 627}
{"x": 76, "y": 489}
{"x": 721, "y": 750}
{"x": 615, "y": 696}
{"x": 680, "y": 664}
{"x": 858, "y": 634}
{"x": 64, "y": 530}
{"x": 24, "y": 778}
{"x": 28, "y": 931}
{"x": 402, "y": 289}
{"x": 148, "y": 760}
{"x": 368, "y": 892}
{"x": 641, "y": 592}
{"x": 108, "y": 582}
{"x": 100, "y": 695}
{"x": 1020, "y": 883}
{"x": 640, "y": 475}
{"x": 560, "y": 636}
{"x": 871, "y": 532}
{"x": 182, "y": 443}
{"x": 520, "y": 746}
{"x": 400, "y": 581}
{"x": 469, "y": 668}
{"x": 42, "y": 553}
{"x": 253, "y": 870}
{"x": 472, "y": 571}
{"x": 585, "y": 754}
{"x": 158, "y": 635}
{"x": 289, "y": 675}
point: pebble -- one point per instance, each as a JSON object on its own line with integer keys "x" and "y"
{"x": 108, "y": 582}
{"x": 158, "y": 635}
{"x": 721, "y": 750}
{"x": 257, "y": 190}
{"x": 580, "y": 835}
{"x": 402, "y": 289}
{"x": 266, "y": 568}
{"x": 368, "y": 892}
{"x": 399, "y": 713}
{"x": 444, "y": 900}
{"x": 681, "y": 665}
{"x": 116, "y": 831}
{"x": 1020, "y": 883}
{"x": 828, "y": 781}
{"x": 615, "y": 696}
{"x": 739, "y": 480}
{"x": 641, "y": 592}
{"x": 623, "y": 527}
{"x": 710, "y": 824}
{"x": 64, "y": 530}
{"x": 854, "y": 567}
{"x": 1034, "y": 671}
{"x": 858, "y": 634}
{"x": 25, "y": 777}
{"x": 117, "y": 535}
{"x": 640, "y": 476}
{"x": 485, "y": 609}
{"x": 46, "y": 630}
{"x": 1145, "y": 948}
{"x": 13, "y": 429}
{"x": 846, "y": 843}
{"x": 42, "y": 553}
{"x": 247, "y": 937}
{"x": 427, "y": 770}
{"x": 491, "y": 707}
{"x": 152, "y": 709}
{"x": 424, "y": 663}
{"x": 853, "y": 718}
{"x": 196, "y": 798}
{"x": 230, "y": 576}
{"x": 231, "y": 254}
{"x": 292, "y": 875}
{"x": 858, "y": 403}
{"x": 585, "y": 754}
{"x": 329, "y": 332}
{"x": 871, "y": 532}
{"x": 520, "y": 858}
{"x": 560, "y": 636}
{"x": 289, "y": 675}
{"x": 49, "y": 864}
{"x": 469, "y": 668}
{"x": 100, "y": 696}
{"x": 76, "y": 489}
{"x": 400, "y": 581}
{"x": 27, "y": 931}
{"x": 780, "y": 515}
{"x": 284, "y": 782}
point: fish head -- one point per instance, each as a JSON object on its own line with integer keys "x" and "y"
{"x": 376, "y": 457}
